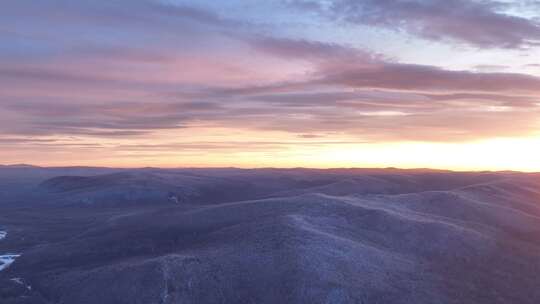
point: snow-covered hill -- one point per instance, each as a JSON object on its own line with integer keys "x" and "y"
{"x": 282, "y": 236}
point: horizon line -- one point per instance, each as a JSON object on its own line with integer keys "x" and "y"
{"x": 25, "y": 165}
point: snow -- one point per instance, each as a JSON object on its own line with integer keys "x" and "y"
{"x": 20, "y": 281}
{"x": 6, "y": 260}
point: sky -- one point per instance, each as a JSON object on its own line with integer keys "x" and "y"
{"x": 449, "y": 84}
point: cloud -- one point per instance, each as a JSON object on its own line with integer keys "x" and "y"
{"x": 107, "y": 120}
{"x": 145, "y": 68}
{"x": 344, "y": 91}
{"x": 312, "y": 51}
{"x": 416, "y": 77}
{"x": 338, "y": 64}
{"x": 482, "y": 24}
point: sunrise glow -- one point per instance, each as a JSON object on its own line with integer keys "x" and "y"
{"x": 274, "y": 84}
